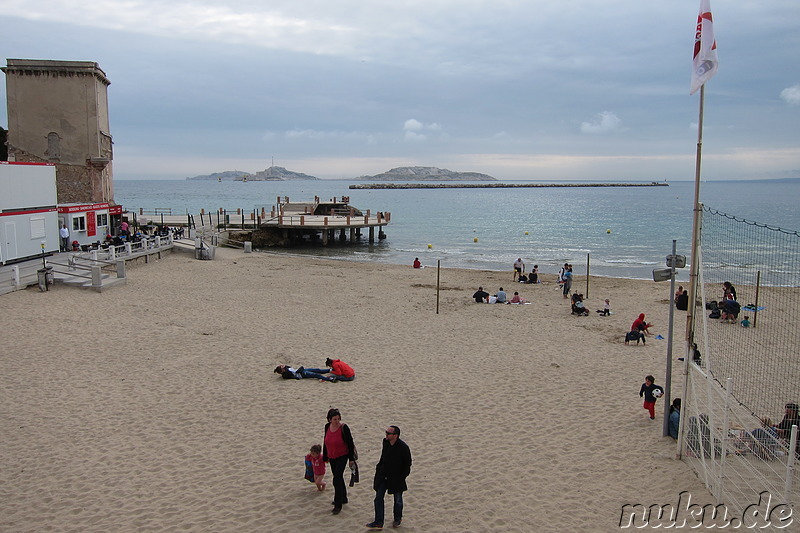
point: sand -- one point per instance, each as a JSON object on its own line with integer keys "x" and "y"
{"x": 153, "y": 406}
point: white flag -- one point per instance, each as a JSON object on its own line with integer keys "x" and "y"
{"x": 705, "y": 48}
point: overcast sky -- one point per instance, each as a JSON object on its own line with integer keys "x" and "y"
{"x": 518, "y": 89}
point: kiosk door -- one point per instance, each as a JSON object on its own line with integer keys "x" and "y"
{"x": 9, "y": 242}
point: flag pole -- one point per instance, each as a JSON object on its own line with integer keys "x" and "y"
{"x": 695, "y": 264}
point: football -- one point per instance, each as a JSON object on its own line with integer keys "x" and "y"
{"x": 658, "y": 393}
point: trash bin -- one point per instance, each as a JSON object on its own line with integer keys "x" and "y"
{"x": 45, "y": 277}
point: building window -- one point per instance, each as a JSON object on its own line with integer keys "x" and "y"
{"x": 102, "y": 220}
{"x": 38, "y": 230}
{"x": 79, "y": 223}
{"x": 53, "y": 146}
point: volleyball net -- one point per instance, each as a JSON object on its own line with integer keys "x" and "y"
{"x": 746, "y": 367}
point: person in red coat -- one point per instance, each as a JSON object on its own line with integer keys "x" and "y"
{"x": 641, "y": 325}
{"x": 340, "y": 370}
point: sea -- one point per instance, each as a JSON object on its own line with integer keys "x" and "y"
{"x": 622, "y": 232}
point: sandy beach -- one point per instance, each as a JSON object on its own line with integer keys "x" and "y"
{"x": 153, "y": 406}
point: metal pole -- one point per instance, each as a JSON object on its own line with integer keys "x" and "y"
{"x": 587, "y": 276}
{"x": 438, "y": 271}
{"x": 698, "y": 208}
{"x": 758, "y": 286}
{"x": 668, "y": 377}
{"x": 695, "y": 260}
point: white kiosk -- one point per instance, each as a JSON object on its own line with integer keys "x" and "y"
{"x": 88, "y": 223}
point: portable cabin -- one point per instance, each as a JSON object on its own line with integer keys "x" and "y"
{"x": 28, "y": 211}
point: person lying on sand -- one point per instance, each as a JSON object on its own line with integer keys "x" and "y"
{"x": 288, "y": 372}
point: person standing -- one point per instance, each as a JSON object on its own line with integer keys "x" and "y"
{"x": 390, "y": 476}
{"x": 519, "y": 268}
{"x": 648, "y": 388}
{"x": 338, "y": 449}
{"x": 64, "y": 233}
{"x": 567, "y": 277}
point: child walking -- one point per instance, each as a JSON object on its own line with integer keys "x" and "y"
{"x": 647, "y": 390}
{"x": 315, "y": 467}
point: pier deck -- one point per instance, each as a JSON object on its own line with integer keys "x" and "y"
{"x": 286, "y": 224}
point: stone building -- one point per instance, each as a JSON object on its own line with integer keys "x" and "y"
{"x": 58, "y": 113}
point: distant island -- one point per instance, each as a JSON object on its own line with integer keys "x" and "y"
{"x": 426, "y": 174}
{"x": 272, "y": 173}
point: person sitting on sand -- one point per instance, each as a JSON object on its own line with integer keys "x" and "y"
{"x": 533, "y": 277}
{"x": 578, "y": 307}
{"x": 417, "y": 264}
{"x": 730, "y": 310}
{"x": 640, "y": 325}
{"x": 516, "y": 299}
{"x": 481, "y": 296}
{"x": 288, "y": 372}
{"x": 501, "y": 296}
{"x": 763, "y": 441}
{"x": 340, "y": 370}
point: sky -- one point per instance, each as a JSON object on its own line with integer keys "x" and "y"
{"x": 517, "y": 89}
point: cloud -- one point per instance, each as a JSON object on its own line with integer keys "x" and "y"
{"x": 791, "y": 95}
{"x": 225, "y": 22}
{"x": 413, "y": 127}
{"x": 603, "y": 122}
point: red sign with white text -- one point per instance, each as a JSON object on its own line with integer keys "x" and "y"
{"x": 91, "y": 224}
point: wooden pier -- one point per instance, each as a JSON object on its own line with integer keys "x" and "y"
{"x": 286, "y": 224}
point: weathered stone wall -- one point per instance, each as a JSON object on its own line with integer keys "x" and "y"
{"x": 74, "y": 183}
{"x": 58, "y": 113}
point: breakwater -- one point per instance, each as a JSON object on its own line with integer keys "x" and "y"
{"x": 498, "y": 185}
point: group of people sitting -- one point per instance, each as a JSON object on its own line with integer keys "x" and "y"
{"x": 764, "y": 442}
{"x": 481, "y": 296}
{"x": 336, "y": 370}
{"x": 728, "y": 308}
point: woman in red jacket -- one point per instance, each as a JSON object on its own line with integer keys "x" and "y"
{"x": 340, "y": 370}
{"x": 338, "y": 449}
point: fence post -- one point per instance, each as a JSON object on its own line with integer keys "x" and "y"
{"x": 724, "y": 438}
{"x": 121, "y": 268}
{"x": 96, "y": 277}
{"x": 790, "y": 465}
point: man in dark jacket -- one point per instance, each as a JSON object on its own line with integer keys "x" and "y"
{"x": 390, "y": 476}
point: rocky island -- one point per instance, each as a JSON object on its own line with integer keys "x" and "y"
{"x": 426, "y": 174}
{"x": 272, "y": 173}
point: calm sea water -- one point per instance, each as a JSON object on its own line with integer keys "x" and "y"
{"x": 621, "y": 231}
